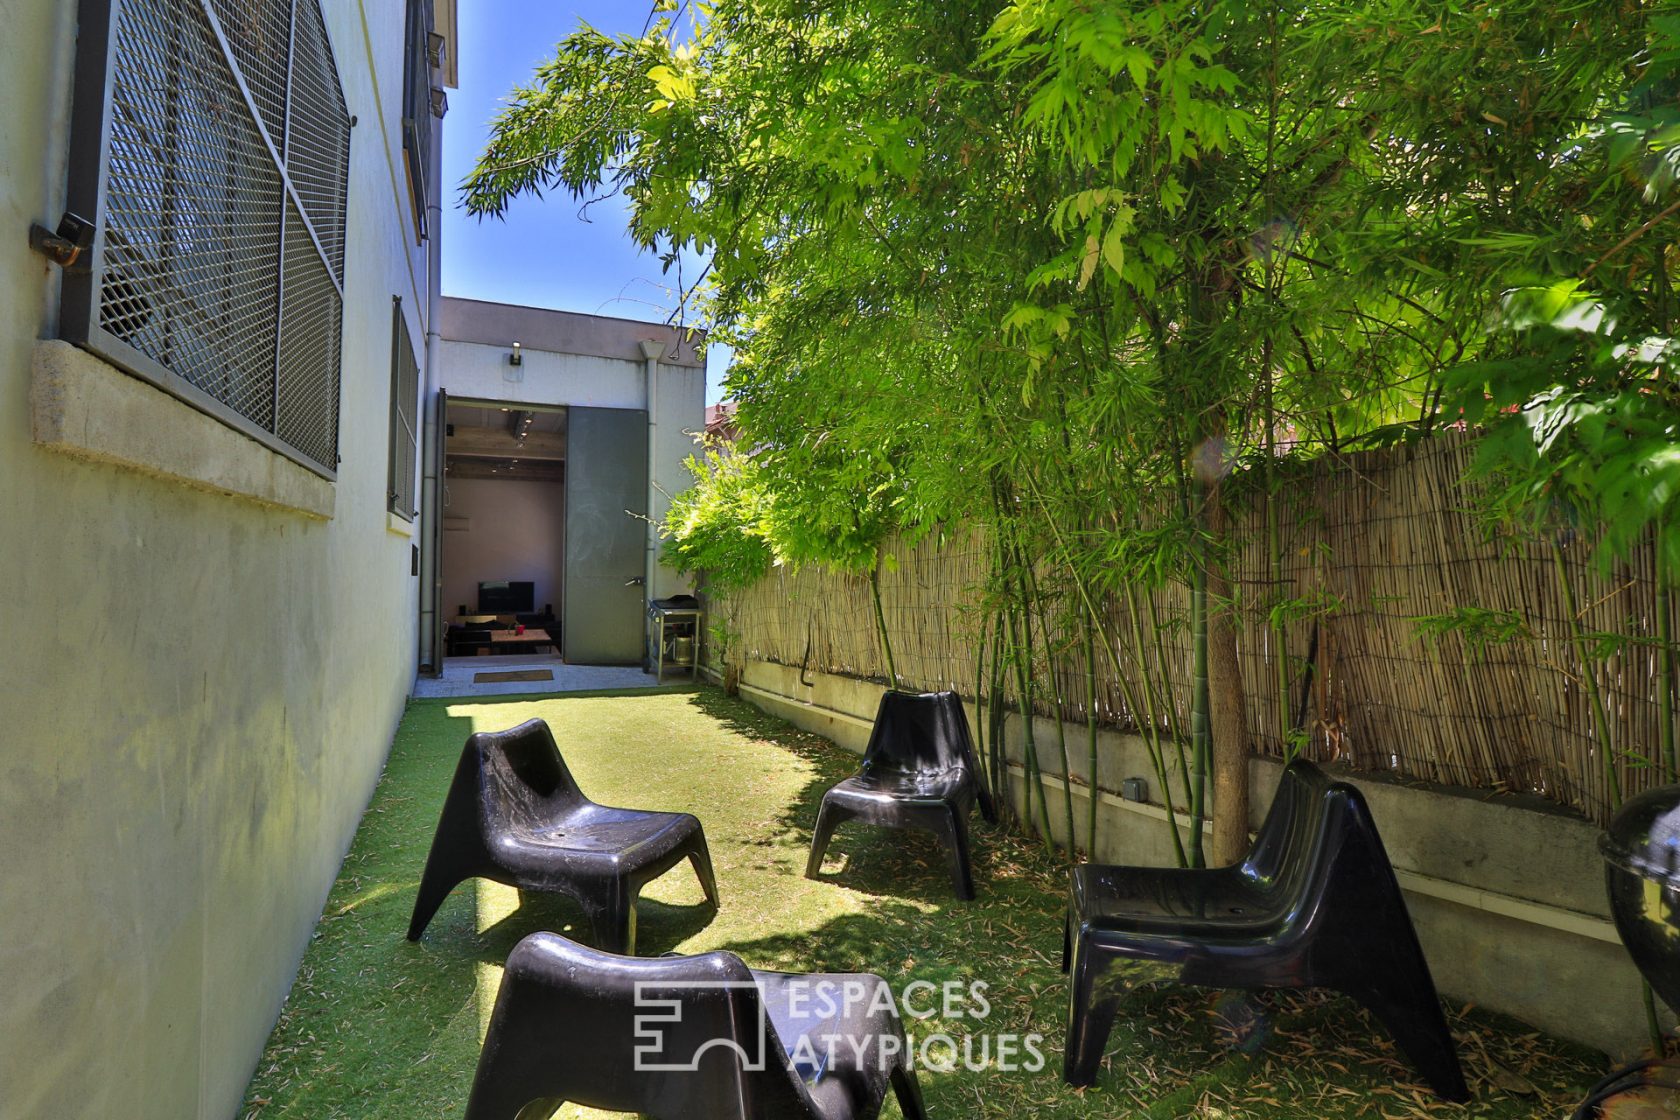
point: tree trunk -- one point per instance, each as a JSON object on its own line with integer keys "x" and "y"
{"x": 1230, "y": 724}
{"x": 1230, "y": 729}
{"x": 1093, "y": 800}
{"x": 1200, "y": 713}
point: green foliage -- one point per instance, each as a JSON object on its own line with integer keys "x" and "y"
{"x": 1083, "y": 274}
{"x": 1584, "y": 424}
{"x": 1479, "y": 628}
{"x": 1317, "y": 603}
{"x": 720, "y": 524}
{"x": 746, "y": 512}
{"x": 1579, "y": 395}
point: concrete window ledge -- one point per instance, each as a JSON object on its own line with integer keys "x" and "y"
{"x": 85, "y": 408}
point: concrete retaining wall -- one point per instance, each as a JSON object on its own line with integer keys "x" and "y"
{"x": 1507, "y": 897}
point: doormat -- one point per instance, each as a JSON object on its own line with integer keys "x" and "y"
{"x": 520, "y": 675}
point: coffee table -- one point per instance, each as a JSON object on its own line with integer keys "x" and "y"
{"x": 512, "y": 641}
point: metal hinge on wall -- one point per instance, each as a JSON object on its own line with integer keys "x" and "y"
{"x": 65, "y": 247}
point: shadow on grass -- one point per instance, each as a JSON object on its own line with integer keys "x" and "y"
{"x": 883, "y": 863}
{"x": 377, "y": 1026}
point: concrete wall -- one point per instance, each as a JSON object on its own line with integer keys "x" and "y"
{"x": 206, "y": 648}
{"x": 588, "y": 360}
{"x": 514, "y": 529}
{"x": 1508, "y": 898}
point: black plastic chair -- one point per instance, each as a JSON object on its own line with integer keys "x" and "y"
{"x": 515, "y": 815}
{"x": 1314, "y": 904}
{"x": 683, "y": 1038}
{"x": 919, "y": 771}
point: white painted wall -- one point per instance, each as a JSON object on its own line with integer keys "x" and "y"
{"x": 681, "y": 417}
{"x": 480, "y": 371}
{"x": 196, "y": 707}
{"x": 514, "y": 529}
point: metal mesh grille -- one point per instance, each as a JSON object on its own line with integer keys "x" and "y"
{"x": 191, "y": 237}
{"x": 318, "y": 146}
{"x": 310, "y": 321}
{"x": 191, "y": 274}
{"x": 417, "y": 105}
{"x": 259, "y": 32}
{"x": 405, "y": 406}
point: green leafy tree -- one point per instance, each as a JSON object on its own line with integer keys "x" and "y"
{"x": 1081, "y": 275}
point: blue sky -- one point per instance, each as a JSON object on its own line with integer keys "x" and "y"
{"x": 543, "y": 254}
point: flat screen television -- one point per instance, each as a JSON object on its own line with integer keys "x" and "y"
{"x": 505, "y": 596}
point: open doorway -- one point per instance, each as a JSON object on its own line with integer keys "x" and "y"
{"x": 503, "y": 540}
{"x": 543, "y": 536}
{"x": 606, "y": 407}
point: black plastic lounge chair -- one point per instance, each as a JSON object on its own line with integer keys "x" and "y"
{"x": 918, "y": 771}
{"x": 685, "y": 1038}
{"x": 1314, "y": 904}
{"x": 515, "y": 815}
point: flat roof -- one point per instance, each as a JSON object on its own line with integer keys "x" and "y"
{"x": 566, "y": 332}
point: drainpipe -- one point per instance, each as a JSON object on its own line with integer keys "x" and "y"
{"x": 652, "y": 349}
{"x": 431, "y": 469}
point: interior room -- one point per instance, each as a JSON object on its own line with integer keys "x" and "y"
{"x": 503, "y": 530}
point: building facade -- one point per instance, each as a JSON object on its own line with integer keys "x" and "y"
{"x": 212, "y": 357}
{"x": 563, "y": 438}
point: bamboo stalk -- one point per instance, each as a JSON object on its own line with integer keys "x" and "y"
{"x": 995, "y": 719}
{"x": 881, "y": 621}
{"x": 1022, "y": 650}
{"x": 1589, "y": 680}
{"x": 1175, "y": 728}
{"x": 979, "y": 702}
{"x": 1151, "y": 729}
{"x": 1061, "y": 727}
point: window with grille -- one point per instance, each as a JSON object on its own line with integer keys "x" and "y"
{"x": 421, "y": 102}
{"x": 405, "y": 425}
{"x": 211, "y": 150}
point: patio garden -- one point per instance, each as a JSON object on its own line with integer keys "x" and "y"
{"x": 1229, "y": 384}
{"x": 377, "y": 1026}
{"x": 1103, "y": 289}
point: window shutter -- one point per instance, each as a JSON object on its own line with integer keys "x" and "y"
{"x": 210, "y": 148}
{"x": 405, "y": 419}
{"x": 418, "y": 108}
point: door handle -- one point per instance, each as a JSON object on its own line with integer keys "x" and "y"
{"x": 636, "y": 581}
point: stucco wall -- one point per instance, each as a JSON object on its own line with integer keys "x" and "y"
{"x": 1507, "y": 899}
{"x": 480, "y": 371}
{"x": 514, "y": 529}
{"x": 199, "y": 689}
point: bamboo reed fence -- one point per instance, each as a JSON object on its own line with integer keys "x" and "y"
{"x": 1374, "y": 543}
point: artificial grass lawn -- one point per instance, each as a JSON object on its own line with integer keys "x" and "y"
{"x": 378, "y": 1027}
